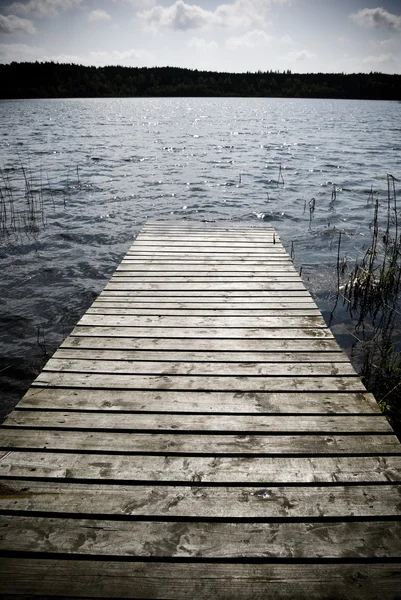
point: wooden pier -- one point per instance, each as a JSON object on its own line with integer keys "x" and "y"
{"x": 200, "y": 435}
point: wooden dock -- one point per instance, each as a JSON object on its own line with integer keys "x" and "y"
{"x": 200, "y": 435}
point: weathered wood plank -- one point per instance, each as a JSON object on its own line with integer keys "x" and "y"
{"x": 191, "y": 240}
{"x": 184, "y": 238}
{"x": 203, "y": 269}
{"x": 169, "y": 581}
{"x": 206, "y": 301}
{"x": 208, "y": 261}
{"x": 199, "y": 356}
{"x": 192, "y": 236}
{"x": 241, "y": 425}
{"x": 196, "y": 469}
{"x": 191, "y": 303}
{"x": 144, "y": 539}
{"x": 275, "y": 345}
{"x": 200, "y": 502}
{"x": 209, "y": 231}
{"x": 210, "y": 245}
{"x": 201, "y": 402}
{"x": 127, "y": 367}
{"x": 201, "y": 382}
{"x": 260, "y": 253}
{"x": 140, "y": 277}
{"x": 243, "y": 238}
{"x": 185, "y": 333}
{"x": 214, "y": 295}
{"x": 205, "y": 443}
{"x": 107, "y": 308}
{"x": 218, "y": 322}
{"x": 282, "y": 286}
{"x": 203, "y": 226}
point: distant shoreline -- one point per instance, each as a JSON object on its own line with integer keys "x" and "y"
{"x": 54, "y": 80}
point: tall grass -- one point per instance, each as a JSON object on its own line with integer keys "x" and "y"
{"x": 22, "y": 204}
{"x": 371, "y": 295}
{"x": 25, "y": 198}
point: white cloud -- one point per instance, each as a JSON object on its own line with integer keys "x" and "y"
{"x": 116, "y": 57}
{"x": 201, "y": 44}
{"x": 27, "y": 53}
{"x": 299, "y": 55}
{"x": 373, "y": 18}
{"x": 182, "y": 16}
{"x": 20, "y": 53}
{"x": 14, "y": 24}
{"x": 378, "y": 60}
{"x": 141, "y": 4}
{"x": 384, "y": 43}
{"x": 177, "y": 16}
{"x": 251, "y": 39}
{"x": 43, "y": 8}
{"x": 99, "y": 15}
{"x": 65, "y": 59}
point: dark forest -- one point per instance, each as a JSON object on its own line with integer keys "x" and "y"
{"x": 54, "y": 80}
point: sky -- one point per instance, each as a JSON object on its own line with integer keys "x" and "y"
{"x": 219, "y": 35}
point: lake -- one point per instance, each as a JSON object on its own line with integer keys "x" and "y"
{"x": 80, "y": 177}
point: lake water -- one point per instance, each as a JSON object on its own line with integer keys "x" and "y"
{"x": 97, "y": 169}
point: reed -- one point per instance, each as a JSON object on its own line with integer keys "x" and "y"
{"x": 26, "y": 197}
{"x": 280, "y": 178}
{"x": 372, "y": 295}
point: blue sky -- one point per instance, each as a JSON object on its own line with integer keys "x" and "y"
{"x": 228, "y": 35}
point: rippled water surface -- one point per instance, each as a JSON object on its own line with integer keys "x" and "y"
{"x": 99, "y": 168}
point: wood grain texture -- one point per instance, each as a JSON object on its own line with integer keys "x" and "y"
{"x": 127, "y": 367}
{"x": 218, "y": 346}
{"x": 182, "y": 286}
{"x": 196, "y": 444}
{"x": 168, "y": 581}
{"x": 169, "y": 502}
{"x": 215, "y": 295}
{"x": 166, "y": 321}
{"x": 202, "y": 412}
{"x": 203, "y": 402}
{"x": 166, "y": 355}
{"x": 144, "y": 539}
{"x": 203, "y": 269}
{"x": 200, "y": 382}
{"x": 195, "y": 470}
{"x": 239, "y": 333}
{"x": 239, "y": 424}
{"x": 127, "y": 277}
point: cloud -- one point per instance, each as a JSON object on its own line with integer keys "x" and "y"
{"x": 14, "y": 24}
{"x": 116, "y": 57}
{"x": 43, "y": 8}
{"x": 251, "y": 39}
{"x": 202, "y": 44}
{"x": 183, "y": 16}
{"x": 140, "y": 4}
{"x": 378, "y": 60}
{"x": 20, "y": 53}
{"x": 299, "y": 55}
{"x": 70, "y": 59}
{"x": 384, "y": 43}
{"x": 99, "y": 15}
{"x": 177, "y": 16}
{"x": 373, "y": 18}
{"x": 27, "y": 53}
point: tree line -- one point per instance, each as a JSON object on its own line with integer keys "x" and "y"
{"x": 54, "y": 80}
